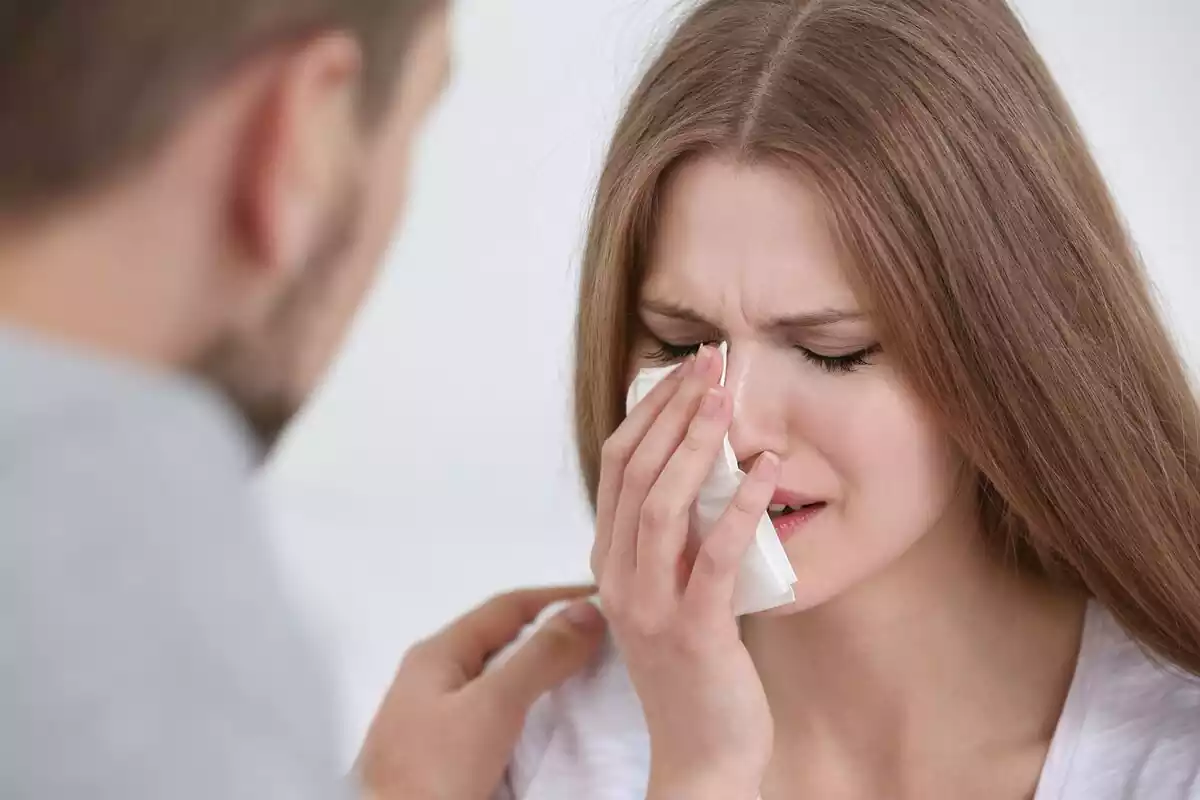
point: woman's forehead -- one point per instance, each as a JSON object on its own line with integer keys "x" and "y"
{"x": 754, "y": 236}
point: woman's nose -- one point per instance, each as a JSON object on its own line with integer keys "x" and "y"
{"x": 759, "y": 418}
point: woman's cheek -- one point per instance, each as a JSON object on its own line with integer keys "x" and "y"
{"x": 896, "y": 466}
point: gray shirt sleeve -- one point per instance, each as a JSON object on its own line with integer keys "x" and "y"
{"x": 148, "y": 648}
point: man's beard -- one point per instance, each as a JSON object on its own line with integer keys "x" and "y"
{"x": 258, "y": 371}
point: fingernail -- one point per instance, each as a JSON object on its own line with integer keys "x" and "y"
{"x": 711, "y": 405}
{"x": 767, "y": 466}
{"x": 584, "y": 615}
{"x": 703, "y": 357}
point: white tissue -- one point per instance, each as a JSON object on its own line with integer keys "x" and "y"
{"x": 765, "y": 578}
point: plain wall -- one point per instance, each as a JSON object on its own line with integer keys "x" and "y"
{"x": 436, "y": 466}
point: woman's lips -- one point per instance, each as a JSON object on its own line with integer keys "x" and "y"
{"x": 788, "y": 524}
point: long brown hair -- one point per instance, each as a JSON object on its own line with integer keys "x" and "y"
{"x": 986, "y": 246}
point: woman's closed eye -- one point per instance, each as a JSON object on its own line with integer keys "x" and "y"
{"x": 842, "y": 363}
{"x": 665, "y": 353}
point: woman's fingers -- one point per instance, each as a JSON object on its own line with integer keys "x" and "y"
{"x": 672, "y": 618}
{"x": 664, "y": 521}
{"x": 647, "y": 462}
{"x": 615, "y": 455}
{"x": 714, "y": 573}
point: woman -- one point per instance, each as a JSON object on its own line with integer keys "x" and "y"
{"x": 948, "y": 368}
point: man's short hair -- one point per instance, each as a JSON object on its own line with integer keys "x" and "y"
{"x": 90, "y": 87}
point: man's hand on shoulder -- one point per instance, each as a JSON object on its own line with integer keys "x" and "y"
{"x": 447, "y": 727}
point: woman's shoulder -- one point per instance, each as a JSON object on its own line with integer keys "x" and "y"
{"x": 1130, "y": 726}
{"x": 1122, "y": 680}
{"x": 585, "y": 740}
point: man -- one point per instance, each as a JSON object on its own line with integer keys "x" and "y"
{"x": 194, "y": 198}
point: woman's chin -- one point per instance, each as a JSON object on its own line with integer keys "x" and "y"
{"x": 801, "y": 604}
{"x": 815, "y": 589}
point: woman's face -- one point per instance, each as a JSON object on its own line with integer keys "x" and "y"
{"x": 744, "y": 254}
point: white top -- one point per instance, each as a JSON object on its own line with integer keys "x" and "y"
{"x": 1130, "y": 729}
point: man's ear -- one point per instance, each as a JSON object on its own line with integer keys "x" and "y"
{"x": 302, "y": 137}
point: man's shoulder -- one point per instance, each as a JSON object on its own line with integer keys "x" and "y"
{"x": 153, "y": 650}
{"x": 95, "y": 459}
{"x": 67, "y": 410}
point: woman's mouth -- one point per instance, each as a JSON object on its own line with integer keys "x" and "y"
{"x": 788, "y": 519}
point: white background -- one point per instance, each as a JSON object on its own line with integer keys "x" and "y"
{"x": 436, "y": 466}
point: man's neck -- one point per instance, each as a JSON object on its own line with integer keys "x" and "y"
{"x": 99, "y": 278}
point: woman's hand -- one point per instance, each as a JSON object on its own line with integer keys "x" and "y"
{"x": 670, "y": 607}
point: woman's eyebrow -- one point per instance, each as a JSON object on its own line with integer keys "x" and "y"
{"x": 803, "y": 321}
{"x": 665, "y": 308}
{"x": 816, "y": 319}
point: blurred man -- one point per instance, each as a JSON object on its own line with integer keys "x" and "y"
{"x": 194, "y": 198}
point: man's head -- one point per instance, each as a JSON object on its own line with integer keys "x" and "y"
{"x": 210, "y": 185}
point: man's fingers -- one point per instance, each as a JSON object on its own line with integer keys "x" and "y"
{"x": 458, "y": 654}
{"x": 560, "y": 648}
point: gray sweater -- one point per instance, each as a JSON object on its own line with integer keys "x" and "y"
{"x": 148, "y": 650}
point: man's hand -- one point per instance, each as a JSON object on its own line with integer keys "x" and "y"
{"x": 446, "y": 729}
